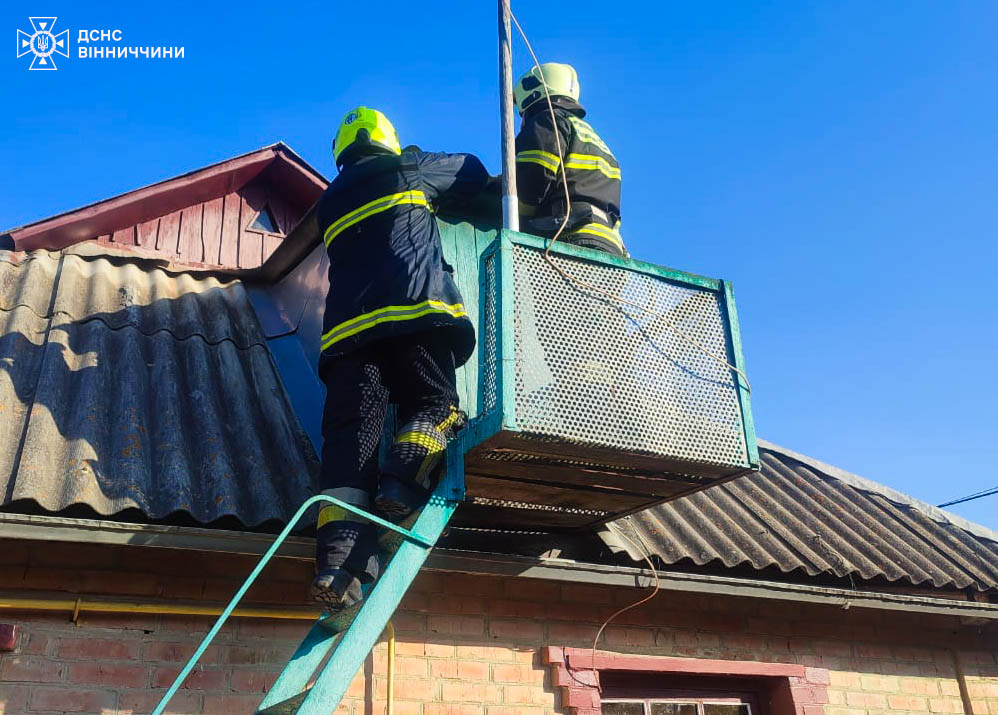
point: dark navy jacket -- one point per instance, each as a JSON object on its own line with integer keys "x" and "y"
{"x": 591, "y": 171}
{"x": 387, "y": 275}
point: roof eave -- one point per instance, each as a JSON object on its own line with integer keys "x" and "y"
{"x": 93, "y": 531}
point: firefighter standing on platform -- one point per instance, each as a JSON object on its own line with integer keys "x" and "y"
{"x": 395, "y": 329}
{"x": 591, "y": 170}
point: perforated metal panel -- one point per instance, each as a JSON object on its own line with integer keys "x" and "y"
{"x": 489, "y": 338}
{"x": 590, "y": 409}
{"x": 594, "y": 371}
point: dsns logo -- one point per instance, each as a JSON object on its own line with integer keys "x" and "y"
{"x": 43, "y": 44}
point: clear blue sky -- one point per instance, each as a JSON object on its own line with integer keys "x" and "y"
{"x": 837, "y": 161}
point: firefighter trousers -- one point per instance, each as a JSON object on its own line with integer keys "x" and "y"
{"x": 416, "y": 373}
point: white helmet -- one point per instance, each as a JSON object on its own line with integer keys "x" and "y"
{"x": 561, "y": 80}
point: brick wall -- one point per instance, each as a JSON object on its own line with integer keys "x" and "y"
{"x": 466, "y": 644}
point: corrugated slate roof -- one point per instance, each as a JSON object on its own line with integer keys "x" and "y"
{"x": 798, "y": 514}
{"x": 124, "y": 386}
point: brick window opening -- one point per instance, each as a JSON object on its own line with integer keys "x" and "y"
{"x": 627, "y": 693}
{"x": 678, "y": 706}
{"x": 622, "y": 684}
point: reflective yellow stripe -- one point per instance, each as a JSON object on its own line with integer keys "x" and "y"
{"x": 373, "y": 207}
{"x": 335, "y": 513}
{"x": 433, "y": 448}
{"x": 546, "y": 159}
{"x": 421, "y": 439}
{"x": 591, "y": 162}
{"x": 598, "y": 229}
{"x": 389, "y": 314}
{"x": 530, "y": 160}
{"x": 587, "y": 134}
{"x": 449, "y": 422}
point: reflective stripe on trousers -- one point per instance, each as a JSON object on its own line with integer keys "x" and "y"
{"x": 419, "y": 448}
{"x": 352, "y": 496}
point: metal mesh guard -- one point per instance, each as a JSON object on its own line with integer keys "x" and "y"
{"x": 598, "y": 372}
{"x": 489, "y": 344}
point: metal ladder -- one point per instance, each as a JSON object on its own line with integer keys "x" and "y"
{"x": 351, "y": 634}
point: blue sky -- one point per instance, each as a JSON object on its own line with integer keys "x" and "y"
{"x": 837, "y": 161}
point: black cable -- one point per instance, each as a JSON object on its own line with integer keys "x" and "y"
{"x": 971, "y": 497}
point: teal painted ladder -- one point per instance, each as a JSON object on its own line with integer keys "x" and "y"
{"x": 351, "y": 634}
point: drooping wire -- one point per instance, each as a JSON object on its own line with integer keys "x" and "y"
{"x": 646, "y": 555}
{"x": 579, "y": 283}
{"x": 971, "y": 497}
{"x": 654, "y": 592}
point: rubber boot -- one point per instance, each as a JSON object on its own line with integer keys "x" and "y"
{"x": 413, "y": 465}
{"x": 345, "y": 560}
{"x": 399, "y": 498}
{"x": 336, "y": 589}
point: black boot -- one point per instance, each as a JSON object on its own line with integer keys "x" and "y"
{"x": 399, "y": 498}
{"x": 345, "y": 559}
{"x": 414, "y": 464}
{"x": 336, "y": 589}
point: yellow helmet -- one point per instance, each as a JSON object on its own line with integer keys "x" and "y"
{"x": 561, "y": 80}
{"x": 367, "y": 131}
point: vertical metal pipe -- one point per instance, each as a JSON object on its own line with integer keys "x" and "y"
{"x": 510, "y": 211}
{"x": 961, "y": 681}
{"x": 390, "y": 630}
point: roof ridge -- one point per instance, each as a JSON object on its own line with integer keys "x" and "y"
{"x": 182, "y": 175}
{"x": 900, "y": 498}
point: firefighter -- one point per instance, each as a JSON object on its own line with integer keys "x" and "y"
{"x": 591, "y": 170}
{"x": 395, "y": 329}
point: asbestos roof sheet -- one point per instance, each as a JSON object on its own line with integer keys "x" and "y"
{"x": 799, "y": 515}
{"x": 127, "y": 387}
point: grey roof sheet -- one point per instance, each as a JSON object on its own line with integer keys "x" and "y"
{"x": 797, "y": 514}
{"x": 124, "y": 386}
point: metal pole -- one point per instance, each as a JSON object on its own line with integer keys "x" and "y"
{"x": 510, "y": 211}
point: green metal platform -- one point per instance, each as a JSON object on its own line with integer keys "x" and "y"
{"x": 592, "y": 408}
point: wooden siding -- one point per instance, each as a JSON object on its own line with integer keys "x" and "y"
{"x": 213, "y": 232}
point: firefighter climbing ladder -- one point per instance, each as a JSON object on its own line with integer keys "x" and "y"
{"x": 352, "y": 634}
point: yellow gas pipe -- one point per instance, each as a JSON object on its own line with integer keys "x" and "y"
{"x": 390, "y": 630}
{"x": 78, "y": 605}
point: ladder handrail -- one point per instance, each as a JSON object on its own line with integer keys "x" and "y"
{"x": 223, "y": 617}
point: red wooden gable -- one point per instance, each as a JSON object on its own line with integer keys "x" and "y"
{"x": 207, "y": 217}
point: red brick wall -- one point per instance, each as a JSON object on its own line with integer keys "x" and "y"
{"x": 466, "y": 644}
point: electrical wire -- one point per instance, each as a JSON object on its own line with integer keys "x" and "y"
{"x": 579, "y": 283}
{"x": 970, "y": 497}
{"x": 646, "y": 555}
{"x": 654, "y": 592}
